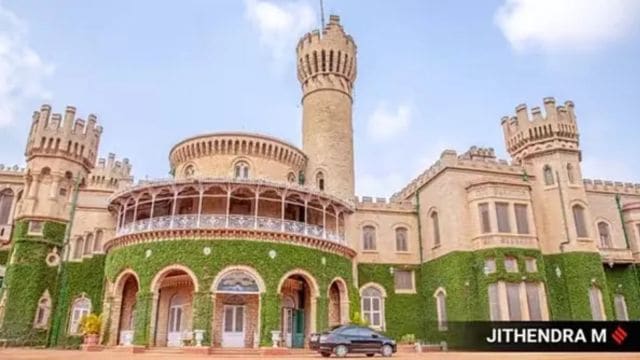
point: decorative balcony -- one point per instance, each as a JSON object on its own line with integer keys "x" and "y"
{"x": 222, "y": 207}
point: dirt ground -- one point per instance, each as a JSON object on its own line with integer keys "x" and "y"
{"x": 109, "y": 354}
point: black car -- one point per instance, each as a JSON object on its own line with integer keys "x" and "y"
{"x": 352, "y": 339}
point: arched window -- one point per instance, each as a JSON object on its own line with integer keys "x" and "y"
{"x": 368, "y": 237}
{"x": 241, "y": 170}
{"x": 97, "y": 243}
{"x": 81, "y": 307}
{"x": 595, "y": 300}
{"x": 189, "y": 170}
{"x": 401, "y": 239}
{"x": 373, "y": 306}
{"x": 441, "y": 308}
{"x": 435, "y": 224}
{"x": 41, "y": 320}
{"x": 571, "y": 174}
{"x": 77, "y": 251}
{"x": 548, "y": 175}
{"x": 620, "y": 306}
{"x": 604, "y": 234}
{"x": 6, "y": 200}
{"x": 579, "y": 221}
{"x": 88, "y": 243}
{"x": 291, "y": 177}
{"x": 320, "y": 180}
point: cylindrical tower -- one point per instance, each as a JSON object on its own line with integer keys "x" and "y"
{"x": 327, "y": 71}
{"x": 57, "y": 151}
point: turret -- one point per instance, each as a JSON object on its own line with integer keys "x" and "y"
{"x": 527, "y": 134}
{"x": 59, "y": 149}
{"x": 546, "y": 144}
{"x": 110, "y": 174}
{"x": 327, "y": 71}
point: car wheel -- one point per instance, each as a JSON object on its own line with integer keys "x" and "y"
{"x": 371, "y": 355}
{"x": 341, "y": 350}
{"x": 325, "y": 354}
{"x": 386, "y": 350}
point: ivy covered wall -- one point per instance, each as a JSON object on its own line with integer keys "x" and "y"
{"x": 4, "y": 257}
{"x": 149, "y": 259}
{"x": 623, "y": 279}
{"x": 570, "y": 276}
{"x": 26, "y": 280}
{"x": 402, "y": 312}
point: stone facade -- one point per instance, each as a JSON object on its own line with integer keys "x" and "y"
{"x": 460, "y": 232}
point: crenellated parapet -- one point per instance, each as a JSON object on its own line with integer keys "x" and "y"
{"x": 527, "y": 133}
{"x": 476, "y": 158}
{"x": 68, "y": 137}
{"x": 383, "y": 204}
{"x": 111, "y": 174}
{"x": 15, "y": 169}
{"x": 327, "y": 60}
{"x": 607, "y": 186}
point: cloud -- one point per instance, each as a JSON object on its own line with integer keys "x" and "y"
{"x": 22, "y": 71}
{"x": 566, "y": 25}
{"x": 386, "y": 123}
{"x": 280, "y": 25}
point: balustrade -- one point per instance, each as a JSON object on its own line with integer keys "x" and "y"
{"x": 210, "y": 221}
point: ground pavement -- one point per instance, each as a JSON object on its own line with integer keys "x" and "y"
{"x": 35, "y": 354}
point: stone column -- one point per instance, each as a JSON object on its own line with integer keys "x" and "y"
{"x": 145, "y": 318}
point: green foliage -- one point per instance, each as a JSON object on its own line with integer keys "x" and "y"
{"x": 226, "y": 253}
{"x": 26, "y": 280}
{"x": 4, "y": 257}
{"x": 357, "y": 319}
{"x": 622, "y": 279}
{"x": 569, "y": 293}
{"x": 408, "y": 339}
{"x": 91, "y": 324}
{"x": 402, "y": 311}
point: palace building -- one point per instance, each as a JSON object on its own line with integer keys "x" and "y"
{"x": 254, "y": 239}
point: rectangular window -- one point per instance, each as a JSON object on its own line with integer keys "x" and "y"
{"x": 371, "y": 311}
{"x": 403, "y": 280}
{"x": 436, "y": 229}
{"x": 35, "y": 227}
{"x": 511, "y": 264}
{"x": 531, "y": 265}
{"x": 595, "y": 300}
{"x": 442, "y": 312}
{"x": 502, "y": 213}
{"x": 485, "y": 220}
{"x": 513, "y": 300}
{"x": 620, "y": 307}
{"x": 62, "y": 191}
{"x": 494, "y": 302}
{"x": 533, "y": 301}
{"x": 489, "y": 266}
{"x": 522, "y": 221}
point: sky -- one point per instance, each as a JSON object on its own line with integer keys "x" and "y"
{"x": 432, "y": 75}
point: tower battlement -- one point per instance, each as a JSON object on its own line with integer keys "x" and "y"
{"x": 110, "y": 173}
{"x": 72, "y": 138}
{"x": 327, "y": 60}
{"x": 526, "y": 132}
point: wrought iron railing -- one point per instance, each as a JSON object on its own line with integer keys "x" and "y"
{"x": 209, "y": 221}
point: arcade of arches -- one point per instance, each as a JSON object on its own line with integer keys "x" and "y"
{"x": 236, "y": 302}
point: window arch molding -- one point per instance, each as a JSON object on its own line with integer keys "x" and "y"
{"x": 372, "y": 307}
{"x": 238, "y": 268}
{"x": 320, "y": 178}
{"x": 367, "y": 242}
{"x": 603, "y": 230}
{"x": 43, "y": 311}
{"x": 441, "y": 308}
{"x": 580, "y": 214}
{"x": 189, "y": 169}
{"x": 241, "y": 167}
{"x": 398, "y": 227}
{"x": 435, "y": 230}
